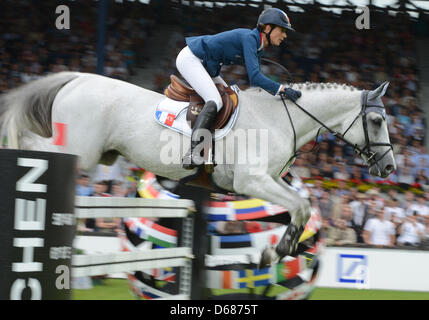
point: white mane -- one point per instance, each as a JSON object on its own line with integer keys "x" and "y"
{"x": 314, "y": 92}
{"x": 312, "y": 86}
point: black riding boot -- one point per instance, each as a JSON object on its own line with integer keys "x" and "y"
{"x": 204, "y": 120}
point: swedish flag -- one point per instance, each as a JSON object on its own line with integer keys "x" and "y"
{"x": 251, "y": 278}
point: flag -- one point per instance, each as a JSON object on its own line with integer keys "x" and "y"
{"x": 222, "y": 279}
{"x": 153, "y": 232}
{"x": 218, "y": 211}
{"x": 251, "y": 278}
{"x": 165, "y": 117}
{"x": 239, "y": 241}
{"x": 287, "y": 269}
{"x": 249, "y": 209}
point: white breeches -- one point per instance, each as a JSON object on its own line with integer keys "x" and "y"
{"x": 192, "y": 69}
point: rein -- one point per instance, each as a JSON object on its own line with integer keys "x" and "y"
{"x": 366, "y": 150}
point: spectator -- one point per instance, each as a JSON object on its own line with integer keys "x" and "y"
{"x": 326, "y": 171}
{"x": 411, "y": 231}
{"x": 108, "y": 224}
{"x": 408, "y": 200}
{"x": 326, "y": 205}
{"x": 359, "y": 215}
{"x": 421, "y": 178}
{"x": 341, "y": 234}
{"x": 342, "y": 174}
{"x": 301, "y": 169}
{"x": 343, "y": 189}
{"x": 82, "y": 186}
{"x": 132, "y": 190}
{"x": 339, "y": 208}
{"x": 317, "y": 190}
{"x": 426, "y": 233}
{"x": 326, "y": 228}
{"x": 356, "y": 175}
{"x": 403, "y": 118}
{"x": 378, "y": 231}
{"x": 118, "y": 189}
{"x": 374, "y": 197}
{"x": 393, "y": 212}
{"x": 405, "y": 177}
{"x": 419, "y": 207}
{"x": 99, "y": 189}
{"x": 230, "y": 227}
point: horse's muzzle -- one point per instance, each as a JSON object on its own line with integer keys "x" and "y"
{"x": 377, "y": 170}
{"x": 387, "y": 170}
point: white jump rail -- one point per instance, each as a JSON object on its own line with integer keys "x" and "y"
{"x": 113, "y": 207}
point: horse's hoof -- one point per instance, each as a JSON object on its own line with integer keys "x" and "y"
{"x": 288, "y": 245}
{"x": 267, "y": 257}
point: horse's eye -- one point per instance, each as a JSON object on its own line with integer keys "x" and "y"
{"x": 378, "y": 121}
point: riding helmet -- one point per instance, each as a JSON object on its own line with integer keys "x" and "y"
{"x": 276, "y": 17}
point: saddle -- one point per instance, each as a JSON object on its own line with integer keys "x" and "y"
{"x": 180, "y": 91}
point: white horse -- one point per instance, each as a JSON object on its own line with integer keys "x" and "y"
{"x": 107, "y": 117}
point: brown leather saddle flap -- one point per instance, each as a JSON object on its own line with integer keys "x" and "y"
{"x": 180, "y": 91}
{"x": 181, "y": 85}
{"x": 175, "y": 94}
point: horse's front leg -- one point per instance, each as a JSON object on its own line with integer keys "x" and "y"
{"x": 266, "y": 188}
{"x": 288, "y": 245}
{"x": 305, "y": 212}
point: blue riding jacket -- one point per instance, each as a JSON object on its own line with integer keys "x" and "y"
{"x": 237, "y": 46}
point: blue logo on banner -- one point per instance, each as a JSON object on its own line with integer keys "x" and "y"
{"x": 352, "y": 268}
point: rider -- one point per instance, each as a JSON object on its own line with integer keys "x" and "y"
{"x": 201, "y": 60}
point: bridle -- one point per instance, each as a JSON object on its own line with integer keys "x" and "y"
{"x": 366, "y": 151}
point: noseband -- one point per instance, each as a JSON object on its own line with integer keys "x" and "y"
{"x": 366, "y": 149}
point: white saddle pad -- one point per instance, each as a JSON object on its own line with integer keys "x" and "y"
{"x": 172, "y": 114}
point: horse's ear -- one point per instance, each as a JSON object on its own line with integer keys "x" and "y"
{"x": 384, "y": 86}
{"x": 379, "y": 92}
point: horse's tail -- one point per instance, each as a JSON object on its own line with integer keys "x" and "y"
{"x": 29, "y": 107}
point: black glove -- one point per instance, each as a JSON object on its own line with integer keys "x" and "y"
{"x": 291, "y": 94}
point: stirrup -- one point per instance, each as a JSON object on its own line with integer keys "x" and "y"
{"x": 189, "y": 165}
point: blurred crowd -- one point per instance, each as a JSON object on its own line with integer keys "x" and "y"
{"x": 326, "y": 48}
{"x": 375, "y": 218}
{"x": 32, "y": 46}
{"x": 103, "y": 188}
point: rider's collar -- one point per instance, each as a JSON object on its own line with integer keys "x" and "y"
{"x": 262, "y": 42}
